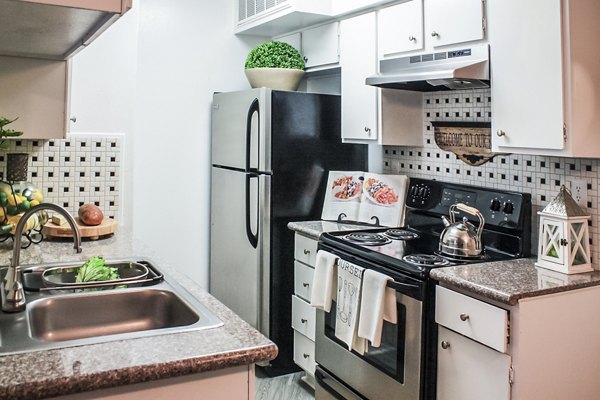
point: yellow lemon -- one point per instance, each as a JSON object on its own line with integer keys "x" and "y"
{"x": 37, "y": 195}
{"x": 14, "y": 200}
{"x": 34, "y": 203}
{"x": 1, "y": 214}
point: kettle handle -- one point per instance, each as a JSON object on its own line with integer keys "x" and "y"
{"x": 469, "y": 210}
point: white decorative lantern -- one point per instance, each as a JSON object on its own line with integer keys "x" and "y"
{"x": 564, "y": 244}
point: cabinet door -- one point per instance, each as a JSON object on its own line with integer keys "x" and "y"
{"x": 400, "y": 28}
{"x": 358, "y": 59}
{"x": 449, "y": 22}
{"x": 320, "y": 46}
{"x": 294, "y": 40}
{"x": 35, "y": 91}
{"x": 468, "y": 370}
{"x": 527, "y": 74}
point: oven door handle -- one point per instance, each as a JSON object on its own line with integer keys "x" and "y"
{"x": 401, "y": 286}
{"x": 339, "y": 392}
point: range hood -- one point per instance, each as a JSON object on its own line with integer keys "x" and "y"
{"x": 466, "y": 68}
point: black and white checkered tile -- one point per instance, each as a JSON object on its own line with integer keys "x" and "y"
{"x": 541, "y": 176}
{"x": 75, "y": 171}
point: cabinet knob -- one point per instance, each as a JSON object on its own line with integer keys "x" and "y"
{"x": 303, "y": 320}
{"x": 435, "y": 34}
{"x": 445, "y": 345}
{"x": 305, "y": 284}
{"x": 305, "y": 355}
{"x": 305, "y": 59}
{"x": 500, "y": 133}
{"x": 368, "y": 130}
{"x": 73, "y": 119}
{"x": 411, "y": 38}
{"x": 306, "y": 252}
{"x": 464, "y": 317}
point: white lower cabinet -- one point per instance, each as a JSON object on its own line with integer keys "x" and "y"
{"x": 303, "y": 314}
{"x": 224, "y": 384}
{"x": 468, "y": 370}
{"x": 548, "y": 349}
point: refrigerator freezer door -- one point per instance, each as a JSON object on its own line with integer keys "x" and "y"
{"x": 237, "y": 253}
{"x": 240, "y": 129}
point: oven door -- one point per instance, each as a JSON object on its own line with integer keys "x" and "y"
{"x": 391, "y": 371}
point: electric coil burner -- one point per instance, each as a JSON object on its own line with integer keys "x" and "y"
{"x": 401, "y": 234}
{"x": 426, "y": 259}
{"x": 367, "y": 238}
{"x": 403, "y": 366}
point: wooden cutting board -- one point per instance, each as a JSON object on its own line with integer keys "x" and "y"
{"x": 107, "y": 227}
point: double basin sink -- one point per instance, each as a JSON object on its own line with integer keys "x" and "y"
{"x": 55, "y": 319}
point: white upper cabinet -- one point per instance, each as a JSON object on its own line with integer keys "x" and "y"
{"x": 54, "y": 29}
{"x": 400, "y": 28}
{"x": 456, "y": 21}
{"x": 35, "y": 91}
{"x": 545, "y": 79}
{"x": 277, "y": 17}
{"x": 358, "y": 59}
{"x": 426, "y": 25}
{"x": 320, "y": 46}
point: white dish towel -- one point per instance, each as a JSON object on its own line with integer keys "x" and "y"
{"x": 378, "y": 303}
{"x": 349, "y": 281}
{"x": 323, "y": 281}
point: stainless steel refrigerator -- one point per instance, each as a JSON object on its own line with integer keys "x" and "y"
{"x": 271, "y": 154}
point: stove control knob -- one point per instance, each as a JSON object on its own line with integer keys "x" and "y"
{"x": 422, "y": 192}
{"x": 413, "y": 191}
{"x": 508, "y": 207}
{"x": 495, "y": 205}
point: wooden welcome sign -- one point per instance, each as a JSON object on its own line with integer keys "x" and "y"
{"x": 470, "y": 141}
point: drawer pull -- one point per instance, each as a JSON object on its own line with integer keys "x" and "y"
{"x": 445, "y": 345}
{"x": 305, "y": 284}
{"x": 305, "y": 355}
{"x": 306, "y": 252}
{"x": 464, "y": 317}
{"x": 303, "y": 320}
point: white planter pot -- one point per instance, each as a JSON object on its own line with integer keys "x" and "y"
{"x": 274, "y": 78}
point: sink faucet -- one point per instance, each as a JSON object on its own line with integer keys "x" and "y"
{"x": 13, "y": 295}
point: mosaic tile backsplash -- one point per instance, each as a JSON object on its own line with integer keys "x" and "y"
{"x": 74, "y": 171}
{"x": 541, "y": 176}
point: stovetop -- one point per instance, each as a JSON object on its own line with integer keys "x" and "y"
{"x": 414, "y": 248}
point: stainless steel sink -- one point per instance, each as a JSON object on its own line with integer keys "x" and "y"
{"x": 62, "y": 320}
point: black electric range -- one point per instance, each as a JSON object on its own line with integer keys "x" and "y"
{"x": 404, "y": 366}
{"x": 414, "y": 248}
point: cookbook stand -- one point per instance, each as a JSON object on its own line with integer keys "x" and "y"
{"x": 341, "y": 219}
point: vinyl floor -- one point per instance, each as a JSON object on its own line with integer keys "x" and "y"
{"x": 285, "y": 387}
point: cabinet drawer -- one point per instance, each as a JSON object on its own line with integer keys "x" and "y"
{"x": 305, "y": 250}
{"x": 467, "y": 370}
{"x": 473, "y": 318}
{"x": 304, "y": 352}
{"x": 303, "y": 277}
{"x": 303, "y": 317}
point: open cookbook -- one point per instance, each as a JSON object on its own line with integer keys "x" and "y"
{"x": 365, "y": 197}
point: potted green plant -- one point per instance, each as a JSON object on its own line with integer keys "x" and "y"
{"x": 276, "y": 65}
{"x": 6, "y": 133}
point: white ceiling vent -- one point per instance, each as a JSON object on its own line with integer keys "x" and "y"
{"x": 250, "y": 8}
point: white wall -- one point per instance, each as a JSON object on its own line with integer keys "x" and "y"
{"x": 186, "y": 51}
{"x": 102, "y": 93}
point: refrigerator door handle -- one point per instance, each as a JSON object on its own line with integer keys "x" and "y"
{"x": 254, "y": 108}
{"x": 252, "y": 237}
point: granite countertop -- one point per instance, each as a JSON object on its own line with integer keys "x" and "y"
{"x": 68, "y": 370}
{"x": 314, "y": 229}
{"x": 512, "y": 280}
